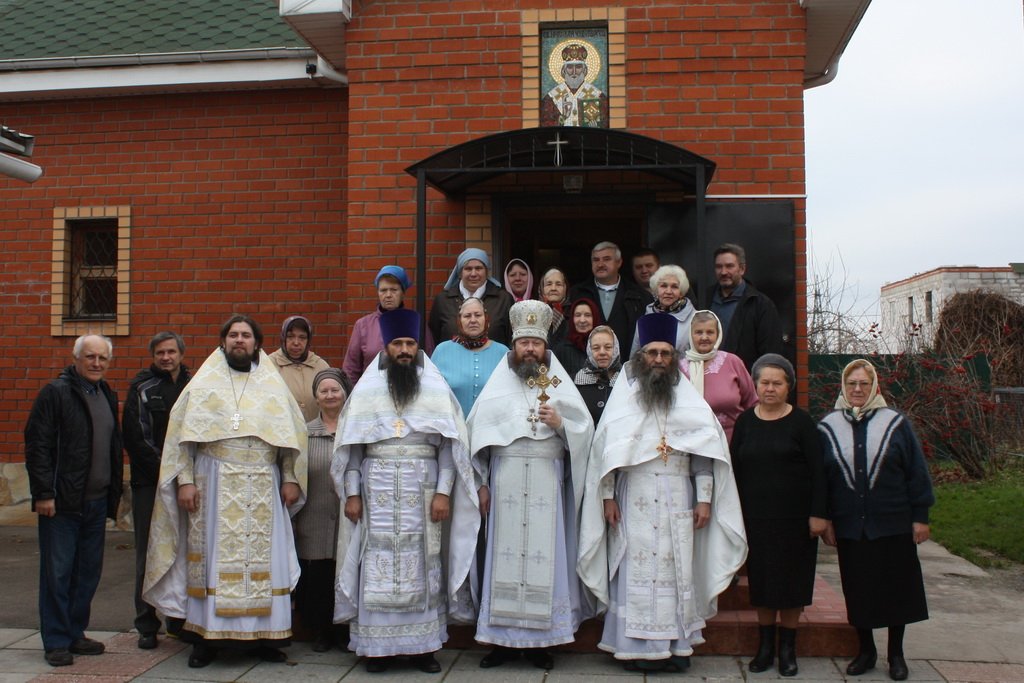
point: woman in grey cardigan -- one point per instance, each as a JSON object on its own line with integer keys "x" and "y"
{"x": 316, "y": 524}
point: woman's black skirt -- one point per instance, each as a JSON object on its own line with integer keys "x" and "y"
{"x": 780, "y": 562}
{"x": 882, "y": 581}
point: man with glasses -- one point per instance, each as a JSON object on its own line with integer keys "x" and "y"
{"x": 661, "y": 533}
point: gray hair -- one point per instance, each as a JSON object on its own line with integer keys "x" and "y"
{"x": 472, "y": 299}
{"x": 76, "y": 350}
{"x": 160, "y": 337}
{"x": 734, "y": 249}
{"x": 601, "y": 246}
{"x": 773, "y": 360}
{"x": 670, "y": 270}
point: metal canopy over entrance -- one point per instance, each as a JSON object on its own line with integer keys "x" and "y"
{"x": 569, "y": 150}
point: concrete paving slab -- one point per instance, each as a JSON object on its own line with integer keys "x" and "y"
{"x": 16, "y": 678}
{"x": 229, "y": 666}
{"x": 272, "y": 673}
{"x": 23, "y": 662}
{"x": 303, "y": 654}
{"x": 9, "y": 636}
{"x": 978, "y": 672}
{"x": 811, "y": 668}
{"x": 34, "y": 641}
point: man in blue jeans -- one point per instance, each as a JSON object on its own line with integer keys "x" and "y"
{"x": 74, "y": 462}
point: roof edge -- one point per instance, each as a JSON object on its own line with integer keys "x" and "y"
{"x": 146, "y": 59}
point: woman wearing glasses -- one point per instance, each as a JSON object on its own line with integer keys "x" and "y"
{"x": 879, "y": 492}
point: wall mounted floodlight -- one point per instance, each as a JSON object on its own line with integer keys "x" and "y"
{"x": 13, "y": 142}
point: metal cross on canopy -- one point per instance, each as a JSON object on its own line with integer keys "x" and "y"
{"x": 558, "y": 142}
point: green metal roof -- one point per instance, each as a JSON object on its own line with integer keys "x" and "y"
{"x": 37, "y": 29}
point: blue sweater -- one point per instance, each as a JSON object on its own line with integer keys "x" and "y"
{"x": 878, "y": 482}
{"x": 467, "y": 371}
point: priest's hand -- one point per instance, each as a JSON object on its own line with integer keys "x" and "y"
{"x": 188, "y": 497}
{"x": 354, "y": 508}
{"x": 549, "y": 416}
{"x": 921, "y": 532}
{"x": 485, "y": 500}
{"x": 440, "y": 506}
{"x": 290, "y": 493}
{"x": 612, "y": 514}
{"x": 701, "y": 515}
{"x": 46, "y": 508}
{"x": 818, "y": 526}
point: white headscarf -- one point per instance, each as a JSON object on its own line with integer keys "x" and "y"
{"x": 875, "y": 399}
{"x": 696, "y": 359}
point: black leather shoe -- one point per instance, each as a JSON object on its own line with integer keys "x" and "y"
{"x": 427, "y": 663}
{"x": 201, "y": 656}
{"x": 540, "y": 658}
{"x": 272, "y": 654}
{"x": 498, "y": 656}
{"x": 765, "y": 657}
{"x": 677, "y": 664}
{"x": 898, "y": 670}
{"x": 324, "y": 641}
{"x": 787, "y": 652}
{"x": 376, "y": 665}
{"x": 59, "y": 657}
{"x": 862, "y": 663}
{"x": 87, "y": 646}
{"x": 147, "y": 641}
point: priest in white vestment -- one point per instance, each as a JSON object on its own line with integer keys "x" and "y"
{"x": 401, "y": 464}
{"x": 221, "y": 551}
{"x": 530, "y": 433}
{"x": 662, "y": 534}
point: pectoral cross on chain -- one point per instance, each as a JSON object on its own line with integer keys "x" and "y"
{"x": 543, "y": 382}
{"x": 663, "y": 449}
{"x": 399, "y": 426}
{"x": 533, "y": 418}
{"x": 236, "y": 420}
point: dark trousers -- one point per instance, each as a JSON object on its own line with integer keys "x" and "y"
{"x": 146, "y": 620}
{"x": 70, "y": 563}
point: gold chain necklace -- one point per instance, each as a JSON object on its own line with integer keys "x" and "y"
{"x": 663, "y": 448}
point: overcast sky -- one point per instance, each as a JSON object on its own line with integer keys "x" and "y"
{"x": 915, "y": 152}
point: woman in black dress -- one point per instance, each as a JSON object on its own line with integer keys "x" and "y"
{"x": 596, "y": 379}
{"x": 879, "y": 492}
{"x": 776, "y": 455}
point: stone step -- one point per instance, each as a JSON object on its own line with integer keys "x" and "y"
{"x": 823, "y": 630}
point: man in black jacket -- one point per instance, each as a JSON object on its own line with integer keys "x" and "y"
{"x": 74, "y": 462}
{"x": 146, "y": 409}
{"x": 621, "y": 302}
{"x": 751, "y": 323}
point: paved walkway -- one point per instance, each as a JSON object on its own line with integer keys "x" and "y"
{"x": 975, "y": 634}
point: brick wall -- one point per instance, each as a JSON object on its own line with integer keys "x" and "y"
{"x": 237, "y": 205}
{"x": 723, "y": 79}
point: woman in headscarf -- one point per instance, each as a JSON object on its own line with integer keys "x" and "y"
{"x": 879, "y": 493}
{"x": 297, "y": 364}
{"x": 365, "y": 342}
{"x": 720, "y": 377}
{"x": 519, "y": 279}
{"x": 468, "y": 359}
{"x": 777, "y": 460}
{"x": 316, "y": 524}
{"x": 571, "y": 352}
{"x": 471, "y": 277}
{"x": 554, "y": 291}
{"x": 669, "y": 286}
{"x": 597, "y": 377}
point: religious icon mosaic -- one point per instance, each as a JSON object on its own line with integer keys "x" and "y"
{"x": 574, "y": 77}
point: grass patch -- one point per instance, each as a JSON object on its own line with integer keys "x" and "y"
{"x": 982, "y": 521}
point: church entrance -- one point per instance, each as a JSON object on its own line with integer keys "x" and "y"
{"x": 560, "y": 231}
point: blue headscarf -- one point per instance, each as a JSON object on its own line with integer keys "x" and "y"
{"x": 471, "y": 254}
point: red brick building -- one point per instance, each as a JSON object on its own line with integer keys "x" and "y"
{"x": 205, "y": 158}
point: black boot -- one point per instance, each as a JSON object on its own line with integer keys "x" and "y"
{"x": 765, "y": 656}
{"x": 898, "y": 670}
{"x": 867, "y": 657}
{"x": 787, "y": 651}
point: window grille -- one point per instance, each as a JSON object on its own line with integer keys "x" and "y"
{"x": 93, "y": 273}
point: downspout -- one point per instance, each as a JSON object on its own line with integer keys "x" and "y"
{"x": 325, "y": 70}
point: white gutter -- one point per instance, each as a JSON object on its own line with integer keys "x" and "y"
{"x": 841, "y": 18}
{"x": 143, "y": 59}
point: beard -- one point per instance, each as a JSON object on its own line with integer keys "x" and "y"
{"x": 239, "y": 359}
{"x": 525, "y": 368}
{"x": 403, "y": 382}
{"x": 574, "y": 82}
{"x": 656, "y": 385}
